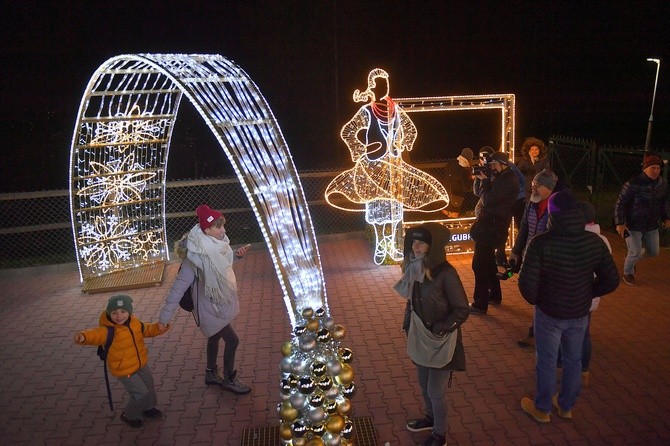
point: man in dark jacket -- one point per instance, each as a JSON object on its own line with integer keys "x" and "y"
{"x": 498, "y": 192}
{"x": 534, "y": 221}
{"x": 642, "y": 201}
{"x": 563, "y": 269}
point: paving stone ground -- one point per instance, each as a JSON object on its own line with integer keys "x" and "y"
{"x": 52, "y": 391}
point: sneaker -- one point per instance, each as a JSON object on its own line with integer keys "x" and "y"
{"x": 153, "y": 414}
{"x": 435, "y": 440}
{"x": 565, "y": 414}
{"x": 212, "y": 377}
{"x": 129, "y": 422}
{"x": 233, "y": 384}
{"x": 420, "y": 424}
{"x": 585, "y": 378}
{"x": 475, "y": 310}
{"x": 528, "y": 406}
{"x": 526, "y": 341}
{"x": 629, "y": 279}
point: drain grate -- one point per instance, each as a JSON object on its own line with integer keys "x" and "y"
{"x": 365, "y": 434}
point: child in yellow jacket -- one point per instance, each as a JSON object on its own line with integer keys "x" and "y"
{"x": 127, "y": 356}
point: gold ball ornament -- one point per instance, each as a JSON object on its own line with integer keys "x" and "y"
{"x": 307, "y": 313}
{"x": 287, "y": 412}
{"x": 286, "y": 349}
{"x": 344, "y": 407}
{"x": 315, "y": 441}
{"x": 346, "y": 376}
{"x": 298, "y": 442}
{"x": 312, "y": 325}
{"x": 335, "y": 423}
{"x": 338, "y": 332}
{"x": 285, "y": 431}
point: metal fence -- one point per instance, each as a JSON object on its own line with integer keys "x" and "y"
{"x": 35, "y": 227}
{"x": 596, "y": 173}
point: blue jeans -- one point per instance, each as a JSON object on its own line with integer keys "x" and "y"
{"x": 550, "y": 335}
{"x": 635, "y": 243}
{"x": 587, "y": 348}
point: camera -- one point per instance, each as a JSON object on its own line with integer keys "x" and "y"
{"x": 511, "y": 270}
{"x": 485, "y": 169}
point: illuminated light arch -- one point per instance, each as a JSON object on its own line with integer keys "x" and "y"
{"x": 381, "y": 184}
{"x": 119, "y": 157}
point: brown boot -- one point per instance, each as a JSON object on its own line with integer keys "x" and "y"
{"x": 528, "y": 406}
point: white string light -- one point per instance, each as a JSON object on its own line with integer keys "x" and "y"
{"x": 119, "y": 158}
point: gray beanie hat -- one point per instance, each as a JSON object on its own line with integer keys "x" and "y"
{"x": 546, "y": 178}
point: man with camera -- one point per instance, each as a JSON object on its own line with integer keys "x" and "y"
{"x": 497, "y": 187}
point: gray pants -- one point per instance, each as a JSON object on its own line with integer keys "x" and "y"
{"x": 433, "y": 385}
{"x": 140, "y": 386}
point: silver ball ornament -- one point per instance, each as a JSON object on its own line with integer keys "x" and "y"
{"x": 316, "y": 414}
{"x": 307, "y": 343}
{"x": 285, "y": 364}
{"x": 334, "y": 367}
{"x": 328, "y": 322}
{"x": 298, "y": 400}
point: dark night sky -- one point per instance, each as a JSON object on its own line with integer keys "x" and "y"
{"x": 576, "y": 70}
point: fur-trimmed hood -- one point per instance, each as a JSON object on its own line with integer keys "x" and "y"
{"x": 440, "y": 237}
{"x": 530, "y": 142}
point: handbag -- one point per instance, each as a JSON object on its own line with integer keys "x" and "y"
{"x": 428, "y": 349}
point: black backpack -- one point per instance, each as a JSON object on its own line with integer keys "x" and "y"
{"x": 186, "y": 301}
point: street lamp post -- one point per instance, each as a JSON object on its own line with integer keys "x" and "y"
{"x": 653, "y": 99}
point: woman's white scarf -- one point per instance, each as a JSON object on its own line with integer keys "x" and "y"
{"x": 414, "y": 272}
{"x": 217, "y": 265}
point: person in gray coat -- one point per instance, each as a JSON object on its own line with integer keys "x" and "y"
{"x": 436, "y": 308}
{"x": 207, "y": 268}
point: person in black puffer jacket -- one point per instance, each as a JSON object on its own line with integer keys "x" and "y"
{"x": 642, "y": 201}
{"x": 563, "y": 270}
{"x": 436, "y": 308}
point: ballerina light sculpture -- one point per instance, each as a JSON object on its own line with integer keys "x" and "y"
{"x": 381, "y": 183}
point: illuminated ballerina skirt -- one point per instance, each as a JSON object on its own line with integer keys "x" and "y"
{"x": 381, "y": 183}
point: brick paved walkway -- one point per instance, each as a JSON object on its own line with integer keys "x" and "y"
{"x": 52, "y": 391}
